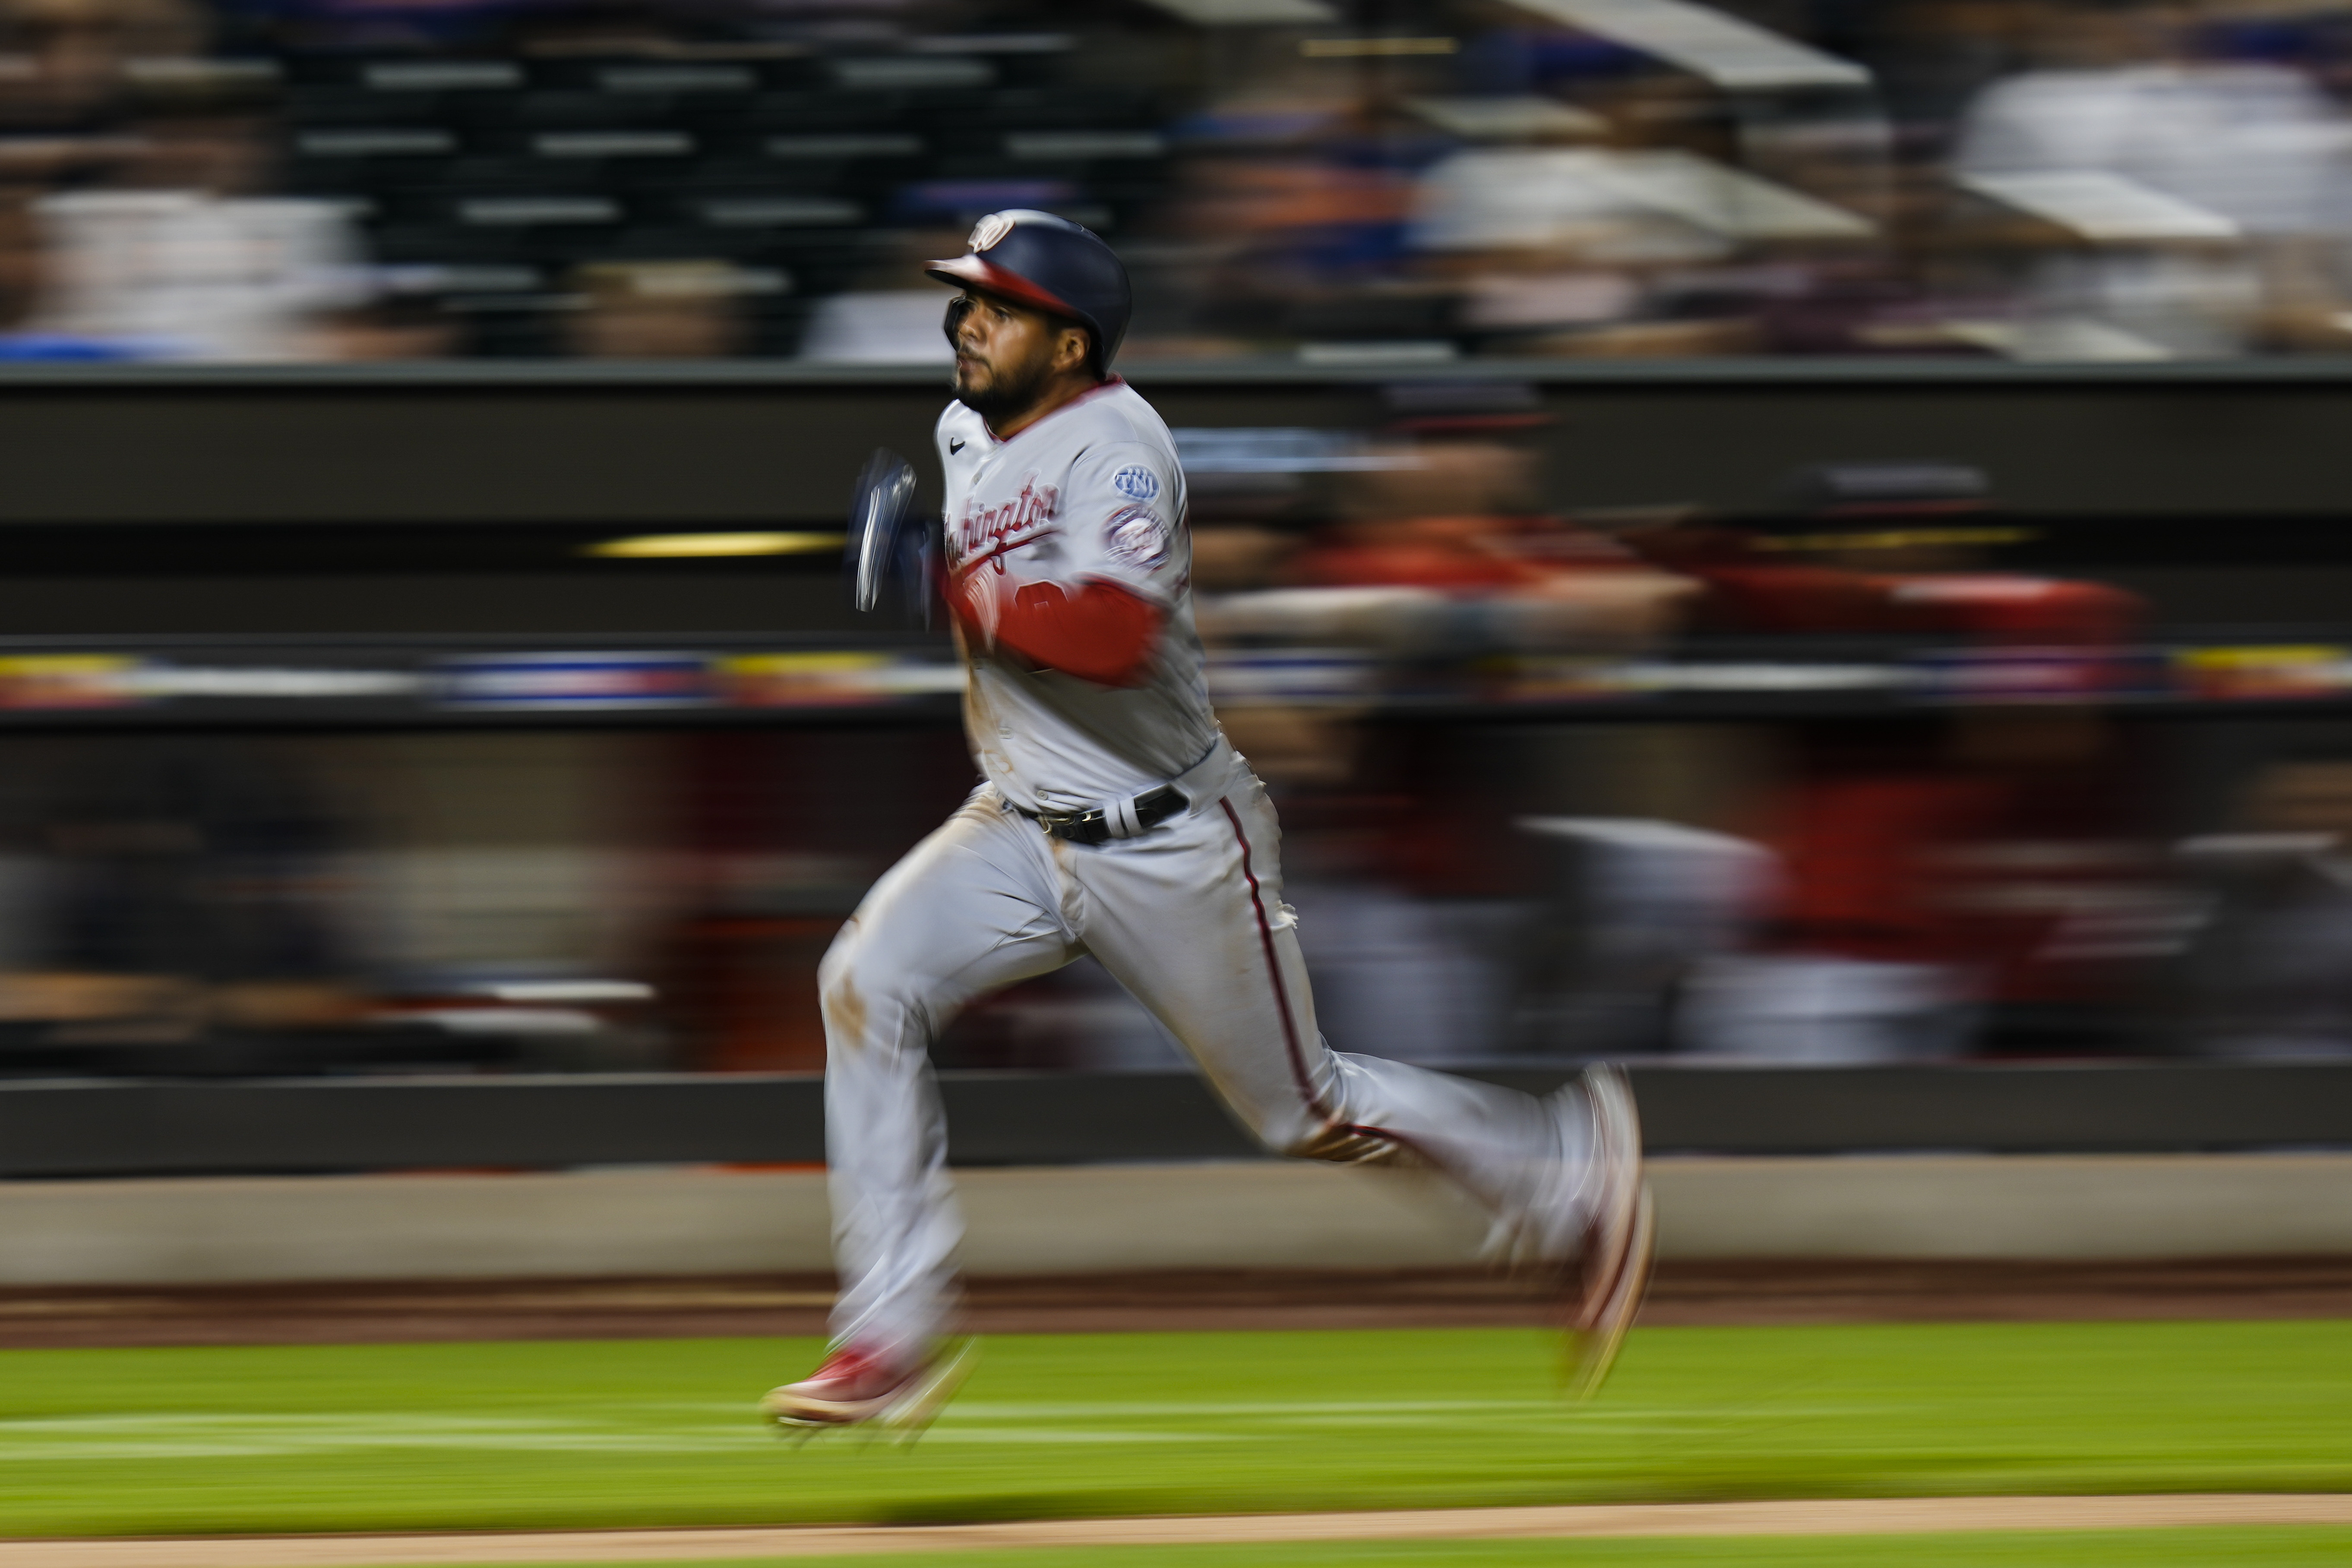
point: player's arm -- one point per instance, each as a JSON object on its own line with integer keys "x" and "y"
{"x": 1124, "y": 563}
{"x": 1095, "y": 630}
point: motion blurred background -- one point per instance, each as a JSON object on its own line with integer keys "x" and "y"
{"x": 424, "y": 179}
{"x": 1788, "y": 533}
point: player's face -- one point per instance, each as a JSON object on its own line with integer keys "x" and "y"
{"x": 1005, "y": 353}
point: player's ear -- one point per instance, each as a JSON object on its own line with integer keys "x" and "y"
{"x": 1071, "y": 347}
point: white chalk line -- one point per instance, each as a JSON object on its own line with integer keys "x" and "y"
{"x": 671, "y": 1427}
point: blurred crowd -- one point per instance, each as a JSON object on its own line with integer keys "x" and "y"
{"x": 2009, "y": 882}
{"x": 284, "y": 180}
{"x": 1917, "y": 882}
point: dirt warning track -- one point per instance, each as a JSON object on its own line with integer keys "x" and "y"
{"x": 1881, "y": 1516}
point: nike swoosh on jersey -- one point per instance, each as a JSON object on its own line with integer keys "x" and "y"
{"x": 955, "y": 446}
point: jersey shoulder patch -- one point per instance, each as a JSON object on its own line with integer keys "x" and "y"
{"x": 1136, "y": 483}
{"x": 1138, "y": 536}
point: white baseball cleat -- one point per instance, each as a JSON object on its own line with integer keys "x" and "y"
{"x": 851, "y": 1388}
{"x": 1620, "y": 1235}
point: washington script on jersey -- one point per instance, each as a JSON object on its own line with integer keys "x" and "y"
{"x": 984, "y": 533}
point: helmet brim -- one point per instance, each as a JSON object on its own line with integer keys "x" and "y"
{"x": 976, "y": 271}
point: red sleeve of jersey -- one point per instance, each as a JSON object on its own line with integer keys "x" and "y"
{"x": 1099, "y": 632}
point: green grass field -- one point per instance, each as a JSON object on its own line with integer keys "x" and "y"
{"x": 660, "y": 1432}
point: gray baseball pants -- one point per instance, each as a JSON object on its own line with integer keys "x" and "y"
{"x": 1189, "y": 917}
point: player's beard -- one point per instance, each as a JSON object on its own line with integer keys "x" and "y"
{"x": 1010, "y": 392}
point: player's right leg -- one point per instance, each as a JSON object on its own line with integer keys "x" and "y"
{"x": 972, "y": 908}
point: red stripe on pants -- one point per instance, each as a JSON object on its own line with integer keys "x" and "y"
{"x": 1298, "y": 1073}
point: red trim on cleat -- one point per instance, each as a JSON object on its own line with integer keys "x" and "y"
{"x": 848, "y": 1386}
{"x": 853, "y": 1387}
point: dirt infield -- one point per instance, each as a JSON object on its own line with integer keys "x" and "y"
{"x": 1891, "y": 1516}
{"x": 1775, "y": 1292}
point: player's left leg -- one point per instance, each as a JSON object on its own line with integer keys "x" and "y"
{"x": 1189, "y": 919}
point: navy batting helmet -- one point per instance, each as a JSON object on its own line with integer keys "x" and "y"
{"x": 1051, "y": 264}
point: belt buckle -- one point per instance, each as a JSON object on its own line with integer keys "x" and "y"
{"x": 1073, "y": 826}
{"x": 1151, "y": 808}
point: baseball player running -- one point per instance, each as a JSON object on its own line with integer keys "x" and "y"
{"x": 1115, "y": 819}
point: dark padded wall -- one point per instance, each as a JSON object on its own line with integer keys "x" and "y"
{"x": 738, "y": 443}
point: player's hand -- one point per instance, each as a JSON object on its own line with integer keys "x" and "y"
{"x": 887, "y": 563}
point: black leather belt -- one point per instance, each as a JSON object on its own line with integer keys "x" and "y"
{"x": 1102, "y": 824}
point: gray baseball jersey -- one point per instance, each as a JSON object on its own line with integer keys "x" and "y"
{"x": 1092, "y": 492}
